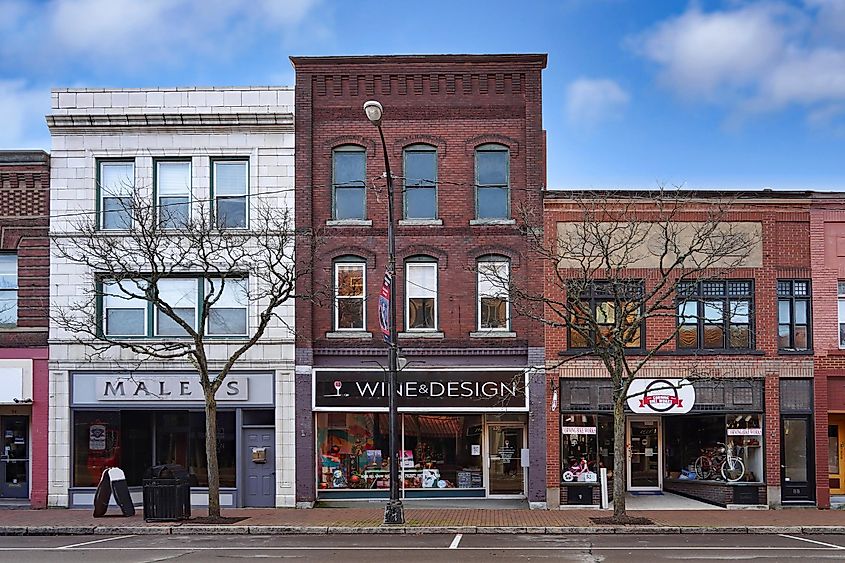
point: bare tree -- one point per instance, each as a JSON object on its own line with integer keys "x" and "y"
{"x": 155, "y": 244}
{"x": 639, "y": 254}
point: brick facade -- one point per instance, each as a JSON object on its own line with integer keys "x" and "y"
{"x": 454, "y": 104}
{"x": 785, "y": 221}
{"x": 24, "y": 226}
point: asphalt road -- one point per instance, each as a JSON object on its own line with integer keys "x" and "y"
{"x": 427, "y": 548}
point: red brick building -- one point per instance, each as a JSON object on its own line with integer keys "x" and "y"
{"x": 760, "y": 396}
{"x": 24, "y": 289}
{"x": 467, "y": 149}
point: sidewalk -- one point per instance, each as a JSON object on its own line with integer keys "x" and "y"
{"x": 426, "y": 520}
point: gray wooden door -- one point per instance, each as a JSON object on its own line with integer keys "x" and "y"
{"x": 260, "y": 466}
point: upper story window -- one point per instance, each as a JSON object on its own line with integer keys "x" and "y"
{"x": 841, "y": 294}
{"x": 8, "y": 290}
{"x": 492, "y": 182}
{"x": 116, "y": 183}
{"x": 601, "y": 310}
{"x": 173, "y": 193}
{"x": 715, "y": 315}
{"x": 128, "y": 312}
{"x": 420, "y": 182}
{"x": 421, "y": 296}
{"x": 350, "y": 295}
{"x": 230, "y": 183}
{"x": 794, "y": 315}
{"x": 493, "y": 295}
{"x": 349, "y": 181}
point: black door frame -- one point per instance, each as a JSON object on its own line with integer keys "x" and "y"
{"x": 24, "y": 491}
{"x": 796, "y": 496}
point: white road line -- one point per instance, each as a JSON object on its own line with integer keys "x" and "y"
{"x": 831, "y": 545}
{"x": 94, "y": 541}
{"x": 456, "y": 542}
{"x": 824, "y": 547}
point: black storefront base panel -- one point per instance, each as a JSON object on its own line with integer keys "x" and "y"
{"x": 716, "y": 492}
{"x": 364, "y": 494}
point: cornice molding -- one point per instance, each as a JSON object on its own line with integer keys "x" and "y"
{"x": 283, "y": 122}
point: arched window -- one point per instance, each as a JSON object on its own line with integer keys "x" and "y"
{"x": 492, "y": 182}
{"x": 350, "y": 293}
{"x": 421, "y": 294}
{"x": 420, "y": 171}
{"x": 349, "y": 182}
{"x": 493, "y": 293}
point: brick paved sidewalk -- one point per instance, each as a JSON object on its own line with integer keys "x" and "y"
{"x": 437, "y": 517}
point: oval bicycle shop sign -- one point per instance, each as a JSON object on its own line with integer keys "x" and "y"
{"x": 661, "y": 396}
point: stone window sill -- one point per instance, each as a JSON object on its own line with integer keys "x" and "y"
{"x": 422, "y": 334}
{"x": 420, "y": 222}
{"x": 349, "y": 223}
{"x": 476, "y": 222}
{"x": 351, "y": 334}
{"x": 492, "y": 334}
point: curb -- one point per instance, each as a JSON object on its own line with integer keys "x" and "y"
{"x": 189, "y": 530}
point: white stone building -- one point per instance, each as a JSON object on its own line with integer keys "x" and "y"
{"x": 207, "y": 132}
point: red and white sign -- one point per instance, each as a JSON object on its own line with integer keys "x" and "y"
{"x": 661, "y": 396}
{"x": 579, "y": 430}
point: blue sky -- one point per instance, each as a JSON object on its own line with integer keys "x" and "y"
{"x": 716, "y": 94}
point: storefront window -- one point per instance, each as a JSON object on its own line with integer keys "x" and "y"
{"x": 697, "y": 447}
{"x": 441, "y": 451}
{"x": 589, "y": 437}
{"x": 125, "y": 439}
{"x": 352, "y": 451}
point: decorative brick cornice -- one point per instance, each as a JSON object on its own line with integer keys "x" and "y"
{"x": 473, "y": 143}
{"x": 94, "y": 123}
{"x": 437, "y": 142}
{"x": 479, "y": 251}
{"x": 351, "y": 250}
{"x": 364, "y": 142}
{"x": 424, "y": 250}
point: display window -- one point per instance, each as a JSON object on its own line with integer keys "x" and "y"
{"x": 724, "y": 448}
{"x": 136, "y": 440}
{"x": 437, "y": 452}
{"x": 586, "y": 444}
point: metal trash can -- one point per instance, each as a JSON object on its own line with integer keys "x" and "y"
{"x": 167, "y": 494}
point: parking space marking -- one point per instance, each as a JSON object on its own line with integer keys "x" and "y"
{"x": 94, "y": 541}
{"x": 830, "y": 545}
{"x": 456, "y": 542}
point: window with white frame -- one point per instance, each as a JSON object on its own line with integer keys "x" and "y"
{"x": 228, "y": 315}
{"x": 493, "y": 306}
{"x": 180, "y": 294}
{"x": 124, "y": 308}
{"x": 116, "y": 183}
{"x": 8, "y": 290}
{"x": 349, "y": 175}
{"x": 173, "y": 192}
{"x": 841, "y": 314}
{"x": 492, "y": 182}
{"x": 420, "y": 182}
{"x": 231, "y": 191}
{"x": 350, "y": 295}
{"x": 421, "y": 296}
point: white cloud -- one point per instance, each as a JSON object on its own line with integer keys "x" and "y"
{"x": 142, "y": 33}
{"x": 592, "y": 101}
{"x": 20, "y": 108}
{"x": 753, "y": 58}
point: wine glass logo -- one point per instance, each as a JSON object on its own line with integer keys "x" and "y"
{"x": 337, "y": 386}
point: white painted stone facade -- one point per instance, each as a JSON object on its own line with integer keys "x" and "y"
{"x": 143, "y": 124}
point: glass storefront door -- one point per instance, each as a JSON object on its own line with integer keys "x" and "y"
{"x": 14, "y": 458}
{"x": 836, "y": 454}
{"x": 796, "y": 459}
{"x": 504, "y": 454}
{"x": 644, "y": 454}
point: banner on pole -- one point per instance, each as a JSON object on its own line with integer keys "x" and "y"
{"x": 384, "y": 307}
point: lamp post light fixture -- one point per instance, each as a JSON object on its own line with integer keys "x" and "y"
{"x": 393, "y": 512}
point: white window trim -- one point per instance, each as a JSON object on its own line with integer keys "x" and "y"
{"x": 101, "y": 192}
{"x": 189, "y": 187}
{"x": 13, "y": 290}
{"x": 505, "y": 328}
{"x": 363, "y": 297}
{"x": 840, "y": 298}
{"x": 245, "y": 195}
{"x": 408, "y": 291}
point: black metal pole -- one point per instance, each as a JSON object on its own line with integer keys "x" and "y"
{"x": 393, "y": 512}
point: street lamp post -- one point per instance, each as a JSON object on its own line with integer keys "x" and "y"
{"x": 393, "y": 512}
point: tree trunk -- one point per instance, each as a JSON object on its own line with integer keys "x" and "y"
{"x": 211, "y": 455}
{"x": 620, "y": 457}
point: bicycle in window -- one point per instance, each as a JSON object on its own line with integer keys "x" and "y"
{"x": 720, "y": 461}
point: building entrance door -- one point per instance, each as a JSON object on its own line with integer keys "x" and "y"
{"x": 797, "y": 483}
{"x": 505, "y": 476}
{"x": 14, "y": 458}
{"x": 836, "y": 454}
{"x": 645, "y": 454}
{"x": 260, "y": 466}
